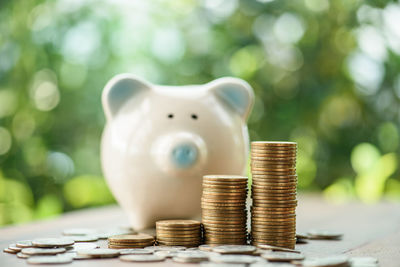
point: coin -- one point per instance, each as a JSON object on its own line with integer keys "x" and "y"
{"x": 190, "y": 257}
{"x": 332, "y": 261}
{"x": 8, "y": 250}
{"x": 234, "y": 249}
{"x": 52, "y": 242}
{"x": 177, "y": 223}
{"x": 42, "y": 251}
{"x": 135, "y": 251}
{"x": 79, "y": 231}
{"x": 246, "y": 259}
{"x": 282, "y": 256}
{"x": 275, "y": 248}
{"x": 142, "y": 258}
{"x": 24, "y": 244}
{"x": 99, "y": 253}
{"x": 49, "y": 260}
{"x": 323, "y": 234}
{"x": 14, "y": 247}
{"x": 136, "y": 238}
{"x": 84, "y": 238}
{"x": 22, "y": 255}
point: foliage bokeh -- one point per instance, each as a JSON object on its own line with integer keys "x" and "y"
{"x": 326, "y": 74}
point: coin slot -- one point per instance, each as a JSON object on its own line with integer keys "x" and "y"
{"x": 194, "y": 116}
{"x": 170, "y": 116}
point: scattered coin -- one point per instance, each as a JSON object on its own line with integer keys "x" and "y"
{"x": 49, "y": 260}
{"x": 82, "y": 246}
{"x": 276, "y": 248}
{"x": 214, "y": 264}
{"x": 43, "y": 251}
{"x": 84, "y": 238}
{"x": 245, "y": 259}
{"x": 79, "y": 231}
{"x": 363, "y": 260}
{"x": 282, "y": 256}
{"x": 7, "y": 250}
{"x": 22, "y": 255}
{"x": 14, "y": 247}
{"x": 24, "y": 244}
{"x": 323, "y": 234}
{"x": 333, "y": 261}
{"x": 190, "y": 257}
{"x": 234, "y": 249}
{"x": 52, "y": 242}
{"x": 135, "y": 251}
{"x": 142, "y": 258}
{"x": 99, "y": 253}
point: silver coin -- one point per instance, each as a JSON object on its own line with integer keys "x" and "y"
{"x": 234, "y": 249}
{"x": 43, "y": 251}
{"x": 142, "y": 258}
{"x": 82, "y": 246}
{"x": 191, "y": 256}
{"x": 282, "y": 256}
{"x": 324, "y": 234}
{"x": 79, "y": 231}
{"x": 7, "y": 250}
{"x": 246, "y": 259}
{"x": 24, "y": 244}
{"x": 22, "y": 255}
{"x": 214, "y": 264}
{"x": 14, "y": 247}
{"x": 275, "y": 248}
{"x": 99, "y": 252}
{"x": 326, "y": 261}
{"x": 363, "y": 260}
{"x": 272, "y": 264}
{"x": 135, "y": 251}
{"x": 84, "y": 238}
{"x": 49, "y": 260}
{"x": 168, "y": 248}
{"x": 52, "y": 242}
{"x": 166, "y": 254}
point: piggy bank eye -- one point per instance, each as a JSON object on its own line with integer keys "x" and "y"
{"x": 194, "y": 116}
{"x": 170, "y": 116}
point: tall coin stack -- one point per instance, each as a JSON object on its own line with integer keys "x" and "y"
{"x": 223, "y": 206}
{"x": 274, "y": 187}
{"x": 185, "y": 233}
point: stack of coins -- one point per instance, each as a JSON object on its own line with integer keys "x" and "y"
{"x": 178, "y": 233}
{"x": 224, "y": 214}
{"x": 274, "y": 183}
{"x": 130, "y": 241}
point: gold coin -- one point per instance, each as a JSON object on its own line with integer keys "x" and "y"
{"x": 267, "y": 176}
{"x": 136, "y": 238}
{"x": 268, "y": 197}
{"x": 263, "y": 185}
{"x": 232, "y": 201}
{"x": 273, "y": 165}
{"x": 274, "y": 192}
{"x": 239, "y": 194}
{"x": 224, "y": 228}
{"x": 267, "y": 179}
{"x": 273, "y": 154}
{"x": 218, "y": 212}
{"x": 221, "y": 207}
{"x": 274, "y": 173}
{"x": 223, "y": 187}
{"x": 225, "y": 178}
{"x": 273, "y": 157}
{"x": 188, "y": 239}
{"x": 178, "y": 223}
{"x": 233, "y": 220}
{"x": 273, "y": 143}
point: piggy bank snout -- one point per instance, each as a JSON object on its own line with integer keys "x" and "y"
{"x": 184, "y": 155}
{"x": 180, "y": 152}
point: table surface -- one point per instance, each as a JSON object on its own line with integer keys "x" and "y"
{"x": 369, "y": 230}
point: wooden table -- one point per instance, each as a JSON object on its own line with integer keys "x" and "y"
{"x": 369, "y": 230}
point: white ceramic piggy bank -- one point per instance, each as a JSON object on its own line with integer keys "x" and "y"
{"x": 160, "y": 140}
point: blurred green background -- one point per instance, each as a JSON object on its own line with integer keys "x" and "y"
{"x": 326, "y": 74}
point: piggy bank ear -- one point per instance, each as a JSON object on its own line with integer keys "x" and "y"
{"x": 118, "y": 90}
{"x": 235, "y": 93}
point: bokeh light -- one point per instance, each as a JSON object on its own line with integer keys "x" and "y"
{"x": 326, "y": 74}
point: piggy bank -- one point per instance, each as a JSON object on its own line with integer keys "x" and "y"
{"x": 159, "y": 141}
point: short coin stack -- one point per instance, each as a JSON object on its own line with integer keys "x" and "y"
{"x": 178, "y": 233}
{"x": 274, "y": 185}
{"x": 130, "y": 241}
{"x": 223, "y": 206}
